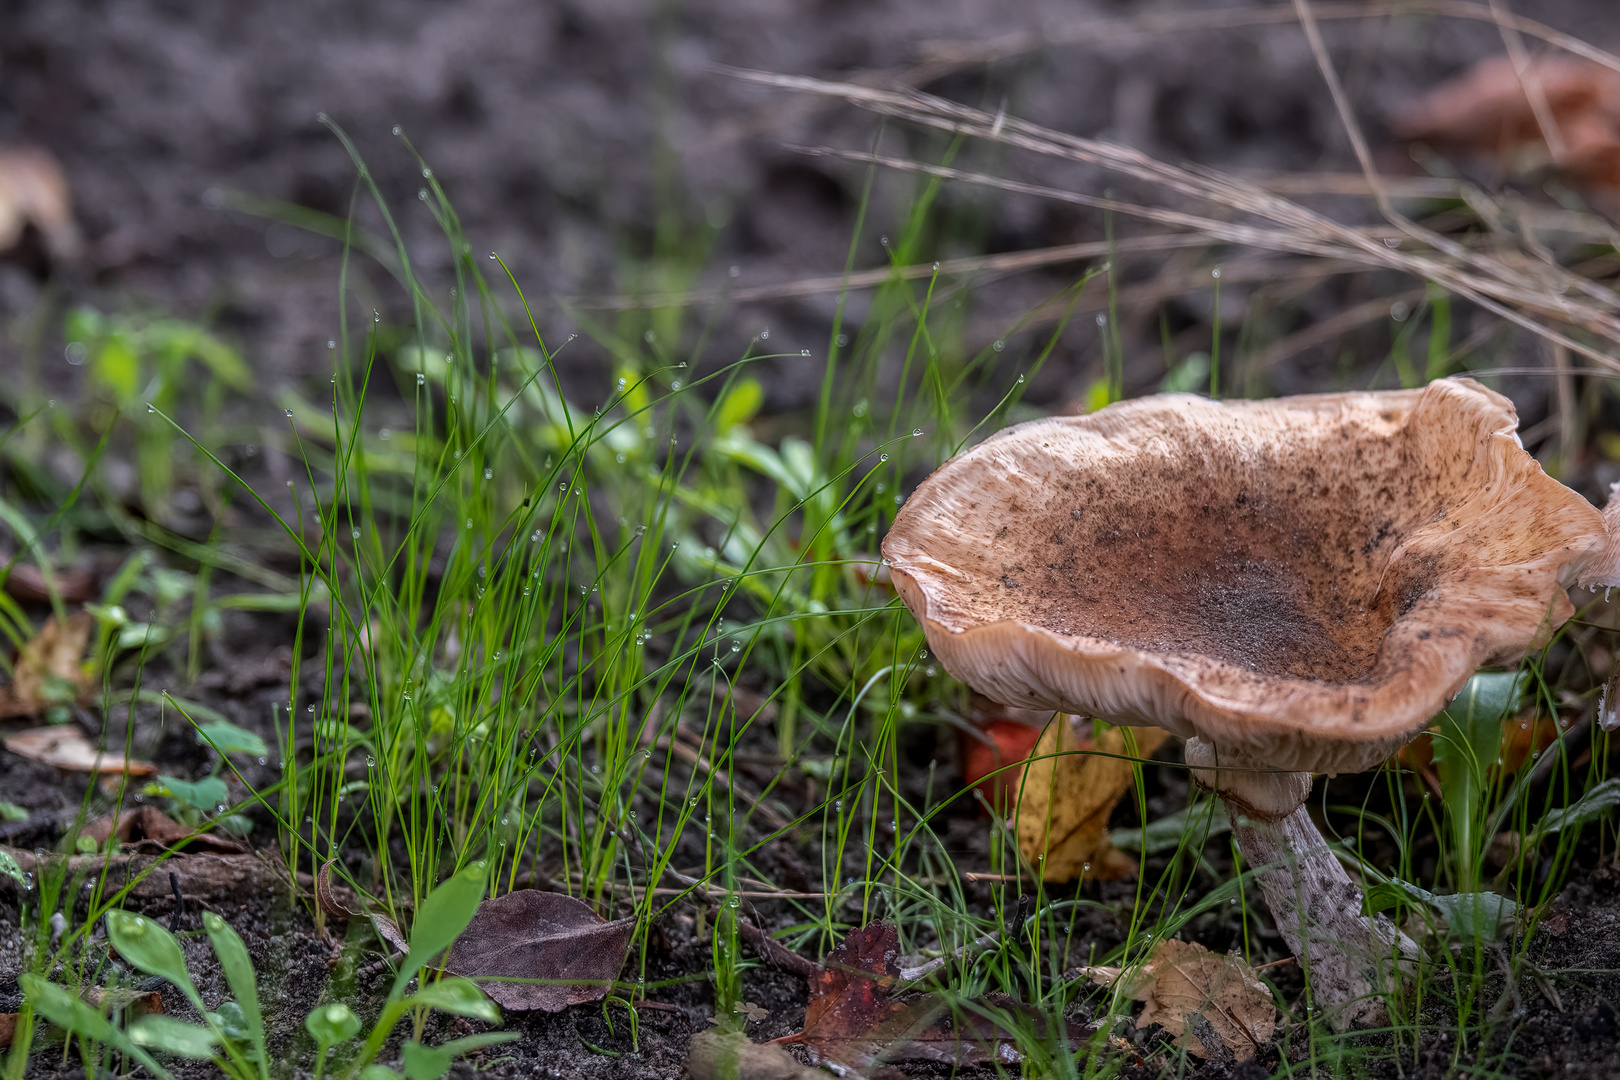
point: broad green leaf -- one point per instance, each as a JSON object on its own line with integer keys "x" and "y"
{"x": 227, "y": 738}
{"x": 1197, "y": 822}
{"x": 148, "y": 946}
{"x": 239, "y": 974}
{"x": 232, "y": 1020}
{"x": 173, "y": 1036}
{"x": 459, "y": 996}
{"x": 740, "y": 404}
{"x": 440, "y": 920}
{"x": 332, "y": 1024}
{"x": 378, "y": 1072}
{"x": 1191, "y": 376}
{"x": 1595, "y": 803}
{"x": 10, "y": 869}
{"x": 117, "y": 367}
{"x": 1468, "y": 743}
{"x": 207, "y": 794}
{"x": 425, "y": 1062}
{"x": 432, "y": 1062}
{"x": 68, "y": 1011}
{"x": 10, "y": 811}
{"x": 1481, "y": 915}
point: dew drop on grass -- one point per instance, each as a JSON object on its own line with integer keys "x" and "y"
{"x": 489, "y": 474}
{"x": 619, "y": 458}
{"x": 883, "y": 457}
{"x": 355, "y": 533}
{"x": 736, "y": 646}
{"x": 421, "y": 193}
{"x": 1020, "y": 378}
{"x": 285, "y": 412}
{"x": 804, "y": 352}
{"x": 420, "y": 379}
{"x": 427, "y": 174}
{"x": 916, "y": 432}
{"x": 150, "y": 407}
{"x": 764, "y": 335}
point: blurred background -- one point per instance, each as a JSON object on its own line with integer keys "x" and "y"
{"x": 603, "y": 150}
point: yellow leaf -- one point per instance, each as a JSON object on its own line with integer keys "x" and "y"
{"x": 1064, "y": 801}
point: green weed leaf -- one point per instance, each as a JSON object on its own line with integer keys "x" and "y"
{"x": 10, "y": 811}
{"x": 151, "y": 948}
{"x": 378, "y": 1072}
{"x": 332, "y": 1024}
{"x": 10, "y": 869}
{"x": 459, "y": 996}
{"x": 227, "y": 738}
{"x": 67, "y": 1011}
{"x": 239, "y": 975}
{"x": 172, "y": 1036}
{"x": 739, "y": 405}
{"x": 432, "y": 1062}
{"x": 1594, "y": 804}
{"x": 440, "y": 920}
{"x": 206, "y": 795}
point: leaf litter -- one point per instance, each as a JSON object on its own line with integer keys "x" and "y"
{"x": 51, "y": 669}
{"x": 860, "y": 1013}
{"x": 569, "y": 954}
{"x": 1215, "y": 1006}
{"x": 67, "y": 748}
{"x": 1070, "y": 786}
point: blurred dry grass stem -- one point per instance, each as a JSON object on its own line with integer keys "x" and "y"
{"x": 1509, "y": 278}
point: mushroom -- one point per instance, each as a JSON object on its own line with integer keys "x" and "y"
{"x": 1293, "y": 586}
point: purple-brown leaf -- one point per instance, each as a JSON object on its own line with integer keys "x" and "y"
{"x": 573, "y": 954}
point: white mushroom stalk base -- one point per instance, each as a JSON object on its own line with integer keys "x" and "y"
{"x": 1352, "y": 959}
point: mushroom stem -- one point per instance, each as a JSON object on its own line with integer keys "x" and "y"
{"x": 1351, "y": 959}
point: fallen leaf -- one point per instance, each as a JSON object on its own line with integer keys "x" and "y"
{"x": 1064, "y": 801}
{"x": 388, "y": 932}
{"x": 26, "y": 582}
{"x": 855, "y": 1019}
{"x": 51, "y": 668}
{"x": 1488, "y": 111}
{"x": 717, "y": 1055}
{"x": 1200, "y": 997}
{"x": 8, "y": 1029}
{"x": 34, "y": 191}
{"x": 134, "y": 1003}
{"x": 336, "y": 901}
{"x": 151, "y": 825}
{"x": 1000, "y": 736}
{"x": 66, "y": 748}
{"x": 531, "y": 934}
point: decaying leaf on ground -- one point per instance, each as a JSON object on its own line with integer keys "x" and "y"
{"x": 66, "y": 748}
{"x": 51, "y": 669}
{"x": 1200, "y": 997}
{"x": 572, "y": 952}
{"x": 149, "y": 825}
{"x": 719, "y": 1055}
{"x": 8, "y": 1029}
{"x": 34, "y": 191}
{"x": 859, "y": 1016}
{"x": 202, "y": 876}
{"x": 1064, "y": 800}
{"x": 1495, "y": 109}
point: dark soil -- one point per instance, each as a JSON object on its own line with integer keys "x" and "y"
{"x": 549, "y": 125}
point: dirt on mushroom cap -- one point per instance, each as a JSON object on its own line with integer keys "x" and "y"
{"x": 1302, "y": 581}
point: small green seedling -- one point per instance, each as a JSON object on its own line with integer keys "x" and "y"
{"x": 232, "y": 1036}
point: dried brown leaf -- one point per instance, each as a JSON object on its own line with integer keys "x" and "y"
{"x": 715, "y": 1055}
{"x": 1186, "y": 987}
{"x": 26, "y": 582}
{"x": 855, "y": 1019}
{"x": 34, "y": 191}
{"x": 150, "y": 825}
{"x": 530, "y": 934}
{"x": 67, "y": 749}
{"x": 335, "y": 900}
{"x": 134, "y": 1003}
{"x": 1488, "y": 110}
{"x": 201, "y": 876}
{"x": 1064, "y": 801}
{"x": 8, "y": 1029}
{"x": 51, "y": 669}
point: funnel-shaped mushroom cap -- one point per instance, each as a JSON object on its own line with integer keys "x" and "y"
{"x": 1303, "y": 582}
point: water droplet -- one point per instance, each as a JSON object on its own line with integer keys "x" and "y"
{"x": 153, "y": 408}
{"x": 355, "y": 533}
{"x": 619, "y": 457}
{"x": 998, "y": 345}
{"x": 489, "y": 474}
{"x": 676, "y": 385}
{"x": 764, "y": 335}
{"x": 736, "y": 646}
{"x": 916, "y": 432}
{"x": 1020, "y": 378}
{"x": 1215, "y": 273}
{"x": 397, "y": 129}
{"x": 420, "y": 379}
{"x": 427, "y": 174}
{"x": 287, "y": 413}
{"x": 883, "y": 457}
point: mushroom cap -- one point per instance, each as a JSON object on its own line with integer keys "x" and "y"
{"x": 1302, "y": 582}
